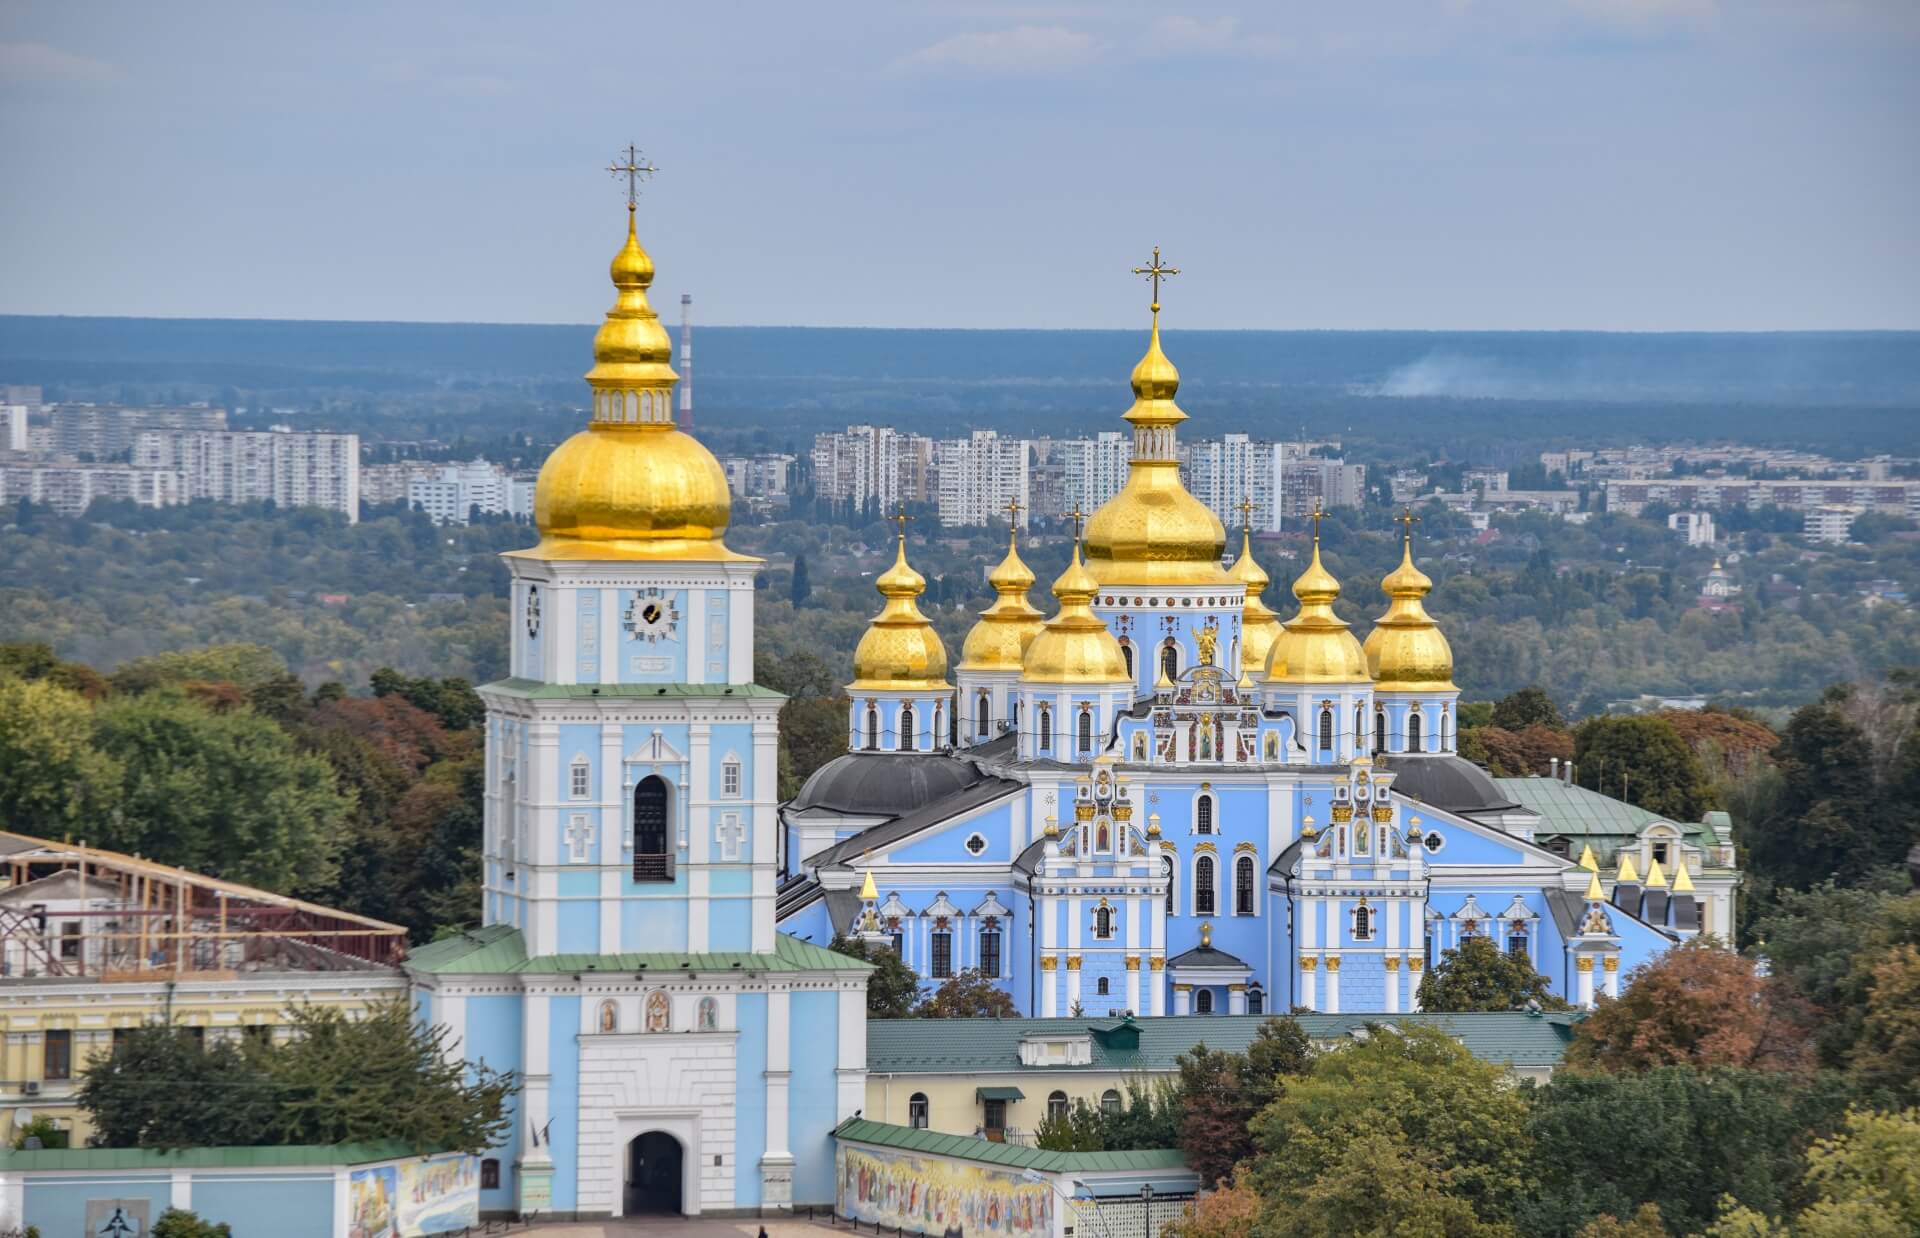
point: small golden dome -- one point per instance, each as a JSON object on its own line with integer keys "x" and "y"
{"x": 1406, "y": 651}
{"x": 999, "y": 640}
{"x": 1316, "y": 645}
{"x": 631, "y": 485}
{"x": 1075, "y": 646}
{"x": 1259, "y": 625}
{"x": 900, "y": 650}
{"x": 1154, "y": 532}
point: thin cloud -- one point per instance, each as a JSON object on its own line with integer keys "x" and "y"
{"x": 1649, "y": 14}
{"x": 1209, "y": 36}
{"x": 37, "y": 62}
{"x": 1021, "y": 50}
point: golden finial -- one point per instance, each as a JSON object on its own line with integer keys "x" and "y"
{"x": 868, "y": 893}
{"x": 1077, "y": 516}
{"x": 900, "y": 518}
{"x": 635, "y": 169}
{"x": 1245, "y": 508}
{"x": 1013, "y": 509}
{"x": 1316, "y": 515}
{"x": 1206, "y": 935}
{"x": 1682, "y": 879}
{"x": 1156, "y": 271}
{"x": 1628, "y": 873}
{"x": 1407, "y": 520}
{"x": 1586, "y": 859}
{"x": 1594, "y": 893}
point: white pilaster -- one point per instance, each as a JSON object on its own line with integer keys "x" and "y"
{"x": 1333, "y": 983}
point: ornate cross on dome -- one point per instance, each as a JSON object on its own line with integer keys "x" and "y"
{"x": 1156, "y": 271}
{"x": 901, "y": 519}
{"x": 635, "y": 169}
{"x": 1013, "y": 509}
{"x": 1407, "y": 520}
{"x": 1316, "y": 515}
{"x": 1246, "y": 513}
{"x": 1076, "y": 515}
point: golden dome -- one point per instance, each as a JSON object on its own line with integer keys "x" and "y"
{"x": 1075, "y": 645}
{"x": 1154, "y": 532}
{"x": 1316, "y": 645}
{"x": 631, "y": 485}
{"x": 1258, "y": 624}
{"x": 1406, "y": 650}
{"x": 998, "y": 642}
{"x": 900, "y": 650}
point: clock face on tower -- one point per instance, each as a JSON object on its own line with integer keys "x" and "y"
{"x": 652, "y": 616}
{"x": 533, "y": 611}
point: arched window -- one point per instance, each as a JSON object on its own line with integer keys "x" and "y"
{"x": 1203, "y": 1001}
{"x": 1363, "y": 923}
{"x": 917, "y": 1111}
{"x": 1243, "y": 886}
{"x": 1359, "y": 729}
{"x": 1444, "y": 728}
{"x": 1103, "y": 922}
{"x": 1046, "y": 727}
{"x": 1126, "y": 655}
{"x": 1203, "y": 815}
{"x": 1379, "y": 731}
{"x": 1203, "y": 895}
{"x": 1166, "y": 862}
{"x": 1109, "y": 1101}
{"x": 1100, "y": 987}
{"x": 1256, "y": 999}
{"x": 651, "y": 859}
{"x": 1413, "y": 730}
{"x": 986, "y": 716}
{"x": 873, "y": 727}
{"x": 906, "y": 728}
{"x": 1086, "y": 730}
{"x": 1326, "y": 730}
{"x": 939, "y": 724}
{"x": 1170, "y": 660}
{"x": 1057, "y": 1106}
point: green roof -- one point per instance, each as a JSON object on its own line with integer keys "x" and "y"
{"x": 1005, "y": 1155}
{"x": 989, "y": 1046}
{"x": 998, "y": 1094}
{"x": 538, "y": 690}
{"x": 210, "y": 1158}
{"x": 1566, "y": 809}
{"x": 498, "y": 949}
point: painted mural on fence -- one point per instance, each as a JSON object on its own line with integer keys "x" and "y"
{"x": 433, "y": 1195}
{"x": 938, "y": 1196}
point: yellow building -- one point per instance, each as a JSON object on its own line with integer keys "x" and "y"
{"x": 999, "y": 1078}
{"x": 93, "y": 943}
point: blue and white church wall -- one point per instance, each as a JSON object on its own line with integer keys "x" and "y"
{"x": 581, "y": 623}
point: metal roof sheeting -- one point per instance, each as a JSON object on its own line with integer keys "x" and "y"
{"x": 498, "y": 949}
{"x": 1005, "y": 1155}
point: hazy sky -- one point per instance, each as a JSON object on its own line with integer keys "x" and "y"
{"x": 1614, "y": 164}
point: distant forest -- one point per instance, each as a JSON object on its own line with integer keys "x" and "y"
{"x": 1478, "y": 394}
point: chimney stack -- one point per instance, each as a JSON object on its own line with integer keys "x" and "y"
{"x": 1553, "y": 768}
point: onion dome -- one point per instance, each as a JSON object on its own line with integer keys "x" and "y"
{"x": 1259, "y": 625}
{"x": 1075, "y": 645}
{"x": 900, "y": 651}
{"x": 1154, "y": 532}
{"x": 998, "y": 642}
{"x": 1406, "y": 650}
{"x": 631, "y": 485}
{"x": 1316, "y": 645}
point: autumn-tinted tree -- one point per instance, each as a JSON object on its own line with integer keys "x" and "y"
{"x": 1888, "y": 1053}
{"x": 1510, "y": 754}
{"x": 1824, "y": 943}
{"x": 1478, "y": 975}
{"x": 1229, "y": 1212}
{"x": 1643, "y": 761}
{"x": 452, "y": 700}
{"x": 1695, "y": 1005}
{"x": 968, "y": 995}
{"x": 893, "y": 988}
{"x": 1214, "y": 1112}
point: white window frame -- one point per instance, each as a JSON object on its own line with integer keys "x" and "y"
{"x": 580, "y": 779}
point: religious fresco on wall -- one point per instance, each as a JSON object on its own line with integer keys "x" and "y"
{"x": 432, "y": 1195}
{"x": 370, "y": 1202}
{"x": 938, "y": 1196}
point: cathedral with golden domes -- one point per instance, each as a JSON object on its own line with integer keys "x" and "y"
{"x": 1161, "y": 799}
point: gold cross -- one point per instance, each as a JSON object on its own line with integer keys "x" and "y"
{"x": 1013, "y": 509}
{"x": 1156, "y": 271}
{"x": 1246, "y": 513}
{"x": 1076, "y": 515}
{"x": 1408, "y": 519}
{"x": 901, "y": 520}
{"x": 635, "y": 170}
{"x": 1317, "y": 515}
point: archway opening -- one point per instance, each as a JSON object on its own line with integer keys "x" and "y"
{"x": 655, "y": 1168}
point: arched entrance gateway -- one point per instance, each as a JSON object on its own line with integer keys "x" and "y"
{"x": 655, "y": 1171}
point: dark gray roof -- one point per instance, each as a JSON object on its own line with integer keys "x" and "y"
{"x": 842, "y": 905}
{"x": 1000, "y": 745}
{"x": 1449, "y": 783}
{"x": 1568, "y": 909}
{"x": 1284, "y": 863}
{"x": 1029, "y": 860}
{"x": 986, "y": 790}
{"x": 884, "y": 784}
{"x": 1207, "y": 956}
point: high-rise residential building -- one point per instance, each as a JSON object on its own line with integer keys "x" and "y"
{"x": 1306, "y": 480}
{"x": 768, "y": 475}
{"x": 1225, "y": 472}
{"x": 69, "y": 488}
{"x": 1693, "y": 528}
{"x": 1893, "y": 498}
{"x": 13, "y": 427}
{"x": 1096, "y": 468}
{"x": 108, "y": 431}
{"x": 979, "y": 476}
{"x": 256, "y": 466}
{"x": 872, "y": 465}
{"x": 451, "y": 493}
{"x": 1487, "y": 481}
{"x": 1831, "y": 523}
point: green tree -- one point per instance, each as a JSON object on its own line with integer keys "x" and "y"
{"x": 42, "y": 1128}
{"x": 1645, "y": 1222}
{"x": 1888, "y": 1052}
{"x": 1214, "y": 1112}
{"x": 1530, "y": 706}
{"x": 1401, "y": 1133}
{"x": 968, "y": 995}
{"x": 1867, "y": 1179}
{"x": 161, "y": 1088}
{"x": 227, "y": 794}
{"x": 245, "y": 666}
{"x": 53, "y": 781}
{"x": 180, "y": 1223}
{"x": 893, "y": 988}
{"x": 1823, "y": 944}
{"x": 1828, "y": 822}
{"x": 1643, "y": 761}
{"x": 1078, "y": 1129}
{"x": 452, "y": 700}
{"x": 802, "y": 587}
{"x": 1478, "y": 975}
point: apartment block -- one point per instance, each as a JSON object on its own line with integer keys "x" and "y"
{"x": 872, "y": 465}
{"x": 256, "y": 466}
{"x": 979, "y": 475}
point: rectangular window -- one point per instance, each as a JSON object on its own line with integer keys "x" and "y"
{"x": 1517, "y": 944}
{"x": 490, "y": 1174}
{"x": 58, "y": 1061}
{"x": 70, "y": 939}
{"x": 942, "y": 955}
{"x": 900, "y": 945}
{"x": 1660, "y": 853}
{"x": 990, "y": 954}
{"x": 582, "y": 780}
{"x": 996, "y": 1122}
{"x": 730, "y": 778}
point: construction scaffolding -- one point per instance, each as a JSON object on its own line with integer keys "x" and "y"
{"x": 73, "y": 911}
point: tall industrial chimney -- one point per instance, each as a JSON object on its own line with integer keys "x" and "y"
{"x": 686, "y": 362}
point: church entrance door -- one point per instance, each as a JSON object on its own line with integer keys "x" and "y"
{"x": 654, "y": 1165}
